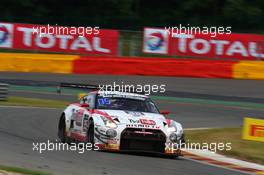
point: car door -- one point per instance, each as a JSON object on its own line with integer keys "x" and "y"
{"x": 82, "y": 115}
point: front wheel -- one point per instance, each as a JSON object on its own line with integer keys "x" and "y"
{"x": 62, "y": 131}
{"x": 90, "y": 133}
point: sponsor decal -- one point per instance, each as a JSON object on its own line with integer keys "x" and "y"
{"x": 253, "y": 129}
{"x": 79, "y": 117}
{"x": 112, "y": 141}
{"x": 6, "y": 33}
{"x": 117, "y": 94}
{"x": 235, "y": 46}
{"x": 85, "y": 122}
{"x": 147, "y": 122}
{"x": 25, "y": 37}
{"x": 257, "y": 130}
{"x": 143, "y": 132}
{"x": 134, "y": 113}
{"x": 142, "y": 123}
{"x": 155, "y": 41}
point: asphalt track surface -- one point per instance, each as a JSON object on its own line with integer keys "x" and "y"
{"x": 192, "y": 87}
{"x": 21, "y": 126}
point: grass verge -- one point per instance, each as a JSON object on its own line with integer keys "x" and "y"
{"x": 22, "y": 170}
{"x": 242, "y": 149}
{"x": 22, "y": 101}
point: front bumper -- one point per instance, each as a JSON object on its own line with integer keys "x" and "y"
{"x": 140, "y": 140}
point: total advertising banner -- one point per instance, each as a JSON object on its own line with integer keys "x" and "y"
{"x": 28, "y": 37}
{"x": 233, "y": 46}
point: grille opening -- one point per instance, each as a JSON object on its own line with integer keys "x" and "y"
{"x": 134, "y": 139}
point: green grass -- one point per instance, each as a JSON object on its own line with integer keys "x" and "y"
{"x": 21, "y": 101}
{"x": 252, "y": 151}
{"x": 69, "y": 91}
{"x": 209, "y": 102}
{"x": 22, "y": 170}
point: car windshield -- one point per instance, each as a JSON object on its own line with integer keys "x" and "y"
{"x": 117, "y": 103}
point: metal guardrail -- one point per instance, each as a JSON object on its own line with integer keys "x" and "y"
{"x": 3, "y": 91}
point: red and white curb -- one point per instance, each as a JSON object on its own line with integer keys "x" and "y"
{"x": 223, "y": 161}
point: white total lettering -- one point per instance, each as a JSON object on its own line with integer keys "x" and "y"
{"x": 254, "y": 49}
{"x": 219, "y": 46}
{"x": 63, "y": 40}
{"x": 26, "y": 38}
{"x": 97, "y": 45}
{"x": 237, "y": 47}
{"x": 205, "y": 46}
{"x": 51, "y": 41}
{"x": 182, "y": 41}
{"x": 81, "y": 42}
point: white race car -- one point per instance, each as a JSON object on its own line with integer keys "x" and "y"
{"x": 118, "y": 121}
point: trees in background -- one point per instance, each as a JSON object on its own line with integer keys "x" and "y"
{"x": 242, "y": 15}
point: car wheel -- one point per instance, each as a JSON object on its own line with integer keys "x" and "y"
{"x": 90, "y": 133}
{"x": 62, "y": 133}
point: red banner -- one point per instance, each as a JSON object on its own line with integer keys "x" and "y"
{"x": 235, "y": 46}
{"x": 69, "y": 40}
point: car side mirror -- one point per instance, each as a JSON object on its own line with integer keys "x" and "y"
{"x": 163, "y": 112}
{"x": 85, "y": 105}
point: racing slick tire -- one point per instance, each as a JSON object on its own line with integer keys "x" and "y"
{"x": 90, "y": 133}
{"x": 62, "y": 130}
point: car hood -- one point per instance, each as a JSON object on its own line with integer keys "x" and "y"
{"x": 132, "y": 117}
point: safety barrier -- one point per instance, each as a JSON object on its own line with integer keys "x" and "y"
{"x": 248, "y": 70}
{"x": 53, "y": 63}
{"x": 3, "y": 91}
{"x": 57, "y": 63}
{"x": 153, "y": 66}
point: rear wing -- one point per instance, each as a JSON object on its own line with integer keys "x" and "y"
{"x": 94, "y": 87}
{"x": 79, "y": 86}
{"x": 76, "y": 86}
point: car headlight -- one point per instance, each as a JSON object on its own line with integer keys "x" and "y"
{"x": 176, "y": 128}
{"x": 172, "y": 127}
{"x": 111, "y": 133}
{"x": 108, "y": 123}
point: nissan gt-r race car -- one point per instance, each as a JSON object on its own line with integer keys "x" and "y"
{"x": 120, "y": 121}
